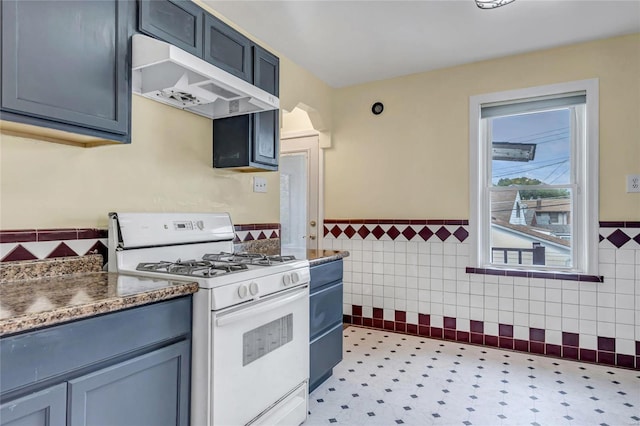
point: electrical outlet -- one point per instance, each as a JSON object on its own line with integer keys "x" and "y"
{"x": 633, "y": 183}
{"x": 259, "y": 184}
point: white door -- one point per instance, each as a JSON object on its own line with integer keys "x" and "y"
{"x": 299, "y": 194}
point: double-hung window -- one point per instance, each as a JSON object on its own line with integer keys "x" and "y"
{"x": 534, "y": 178}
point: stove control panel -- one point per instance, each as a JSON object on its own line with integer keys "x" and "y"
{"x": 188, "y": 225}
{"x": 139, "y": 230}
{"x": 255, "y": 288}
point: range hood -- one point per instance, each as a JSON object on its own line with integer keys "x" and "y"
{"x": 170, "y": 75}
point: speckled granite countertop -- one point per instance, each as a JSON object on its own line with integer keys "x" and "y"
{"x": 29, "y": 304}
{"x": 317, "y": 257}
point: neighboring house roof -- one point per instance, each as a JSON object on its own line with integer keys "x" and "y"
{"x": 549, "y": 205}
{"x": 502, "y": 204}
{"x": 557, "y": 229}
{"x": 528, "y": 230}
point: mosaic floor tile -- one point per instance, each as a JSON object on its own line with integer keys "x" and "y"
{"x": 394, "y": 379}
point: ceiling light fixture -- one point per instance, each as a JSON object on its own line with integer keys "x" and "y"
{"x": 491, "y": 4}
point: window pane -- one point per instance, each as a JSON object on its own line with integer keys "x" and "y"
{"x": 531, "y": 227}
{"x": 531, "y": 149}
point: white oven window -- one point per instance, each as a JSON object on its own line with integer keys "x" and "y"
{"x": 266, "y": 338}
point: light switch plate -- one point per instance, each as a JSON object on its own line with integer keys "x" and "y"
{"x": 259, "y": 184}
{"x": 633, "y": 183}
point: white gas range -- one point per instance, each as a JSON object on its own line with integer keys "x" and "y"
{"x": 250, "y": 346}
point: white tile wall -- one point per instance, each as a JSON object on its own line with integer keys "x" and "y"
{"x": 430, "y": 278}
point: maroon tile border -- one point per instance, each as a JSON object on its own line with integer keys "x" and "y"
{"x": 605, "y": 354}
{"x": 410, "y": 228}
{"x": 536, "y": 334}
{"x": 535, "y": 274}
{"x": 573, "y": 353}
{"x": 23, "y": 236}
{"x": 606, "y": 344}
{"x": 570, "y": 339}
{"x": 521, "y": 345}
{"x": 19, "y": 252}
{"x": 620, "y": 224}
{"x": 399, "y": 221}
{"x": 34, "y": 235}
{"x": 256, "y": 226}
{"x": 408, "y": 231}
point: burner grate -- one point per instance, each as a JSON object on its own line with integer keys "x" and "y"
{"x": 199, "y": 268}
{"x": 212, "y": 264}
{"x": 247, "y": 258}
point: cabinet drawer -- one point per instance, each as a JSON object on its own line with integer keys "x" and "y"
{"x": 325, "y": 353}
{"x": 325, "y": 273}
{"x": 53, "y": 352}
{"x": 325, "y": 309}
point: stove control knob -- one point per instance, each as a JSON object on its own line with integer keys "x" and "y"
{"x": 286, "y": 279}
{"x": 253, "y": 288}
{"x": 295, "y": 277}
{"x": 242, "y": 291}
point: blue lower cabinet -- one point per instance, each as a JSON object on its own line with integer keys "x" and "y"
{"x": 148, "y": 390}
{"x": 130, "y": 367}
{"x": 44, "y": 408}
{"x": 325, "y": 321}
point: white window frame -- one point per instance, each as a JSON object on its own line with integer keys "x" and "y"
{"x": 585, "y": 155}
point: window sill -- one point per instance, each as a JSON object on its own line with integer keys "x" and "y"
{"x": 536, "y": 274}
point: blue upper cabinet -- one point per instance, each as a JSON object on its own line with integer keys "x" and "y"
{"x": 227, "y": 49}
{"x": 66, "y": 65}
{"x": 266, "y": 70}
{"x": 178, "y": 22}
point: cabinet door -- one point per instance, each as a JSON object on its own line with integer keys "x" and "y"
{"x": 226, "y": 48}
{"x": 152, "y": 389}
{"x": 266, "y": 140}
{"x": 266, "y": 70}
{"x": 231, "y": 140}
{"x": 67, "y": 61}
{"x": 178, "y": 22}
{"x": 44, "y": 408}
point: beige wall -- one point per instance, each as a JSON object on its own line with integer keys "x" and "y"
{"x": 409, "y": 162}
{"x": 167, "y": 167}
{"x": 412, "y": 161}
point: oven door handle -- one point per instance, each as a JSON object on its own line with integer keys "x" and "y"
{"x": 261, "y": 308}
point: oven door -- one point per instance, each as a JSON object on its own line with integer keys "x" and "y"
{"x": 260, "y": 354}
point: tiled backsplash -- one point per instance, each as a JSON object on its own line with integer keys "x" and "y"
{"x": 34, "y": 244}
{"x": 410, "y": 276}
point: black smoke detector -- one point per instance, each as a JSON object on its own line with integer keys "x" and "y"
{"x": 377, "y": 108}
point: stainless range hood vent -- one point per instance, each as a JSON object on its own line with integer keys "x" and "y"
{"x": 170, "y": 75}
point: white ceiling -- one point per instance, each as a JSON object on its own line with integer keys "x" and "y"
{"x": 346, "y": 42}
